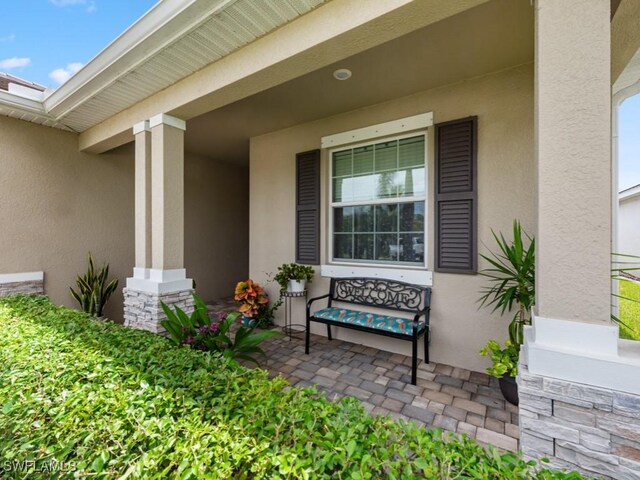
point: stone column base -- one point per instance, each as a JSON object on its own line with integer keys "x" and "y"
{"x": 142, "y": 310}
{"x": 593, "y": 430}
{"x": 25, "y": 283}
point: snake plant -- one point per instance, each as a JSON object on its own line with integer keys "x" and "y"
{"x": 93, "y": 290}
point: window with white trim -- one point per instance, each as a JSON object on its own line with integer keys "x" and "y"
{"x": 377, "y": 207}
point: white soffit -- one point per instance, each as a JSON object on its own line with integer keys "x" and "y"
{"x": 196, "y": 34}
{"x": 175, "y": 39}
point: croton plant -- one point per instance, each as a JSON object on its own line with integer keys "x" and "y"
{"x": 251, "y": 297}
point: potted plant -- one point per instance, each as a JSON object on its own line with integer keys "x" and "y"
{"x": 252, "y": 299}
{"x": 504, "y": 368}
{"x": 512, "y": 282}
{"x": 294, "y": 277}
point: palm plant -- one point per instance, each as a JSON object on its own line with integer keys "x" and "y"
{"x": 512, "y": 277}
{"x": 93, "y": 290}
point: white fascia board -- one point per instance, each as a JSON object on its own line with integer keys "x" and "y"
{"x": 23, "y": 104}
{"x": 26, "y": 92}
{"x": 393, "y": 127}
{"x": 629, "y": 193}
{"x": 166, "y": 22}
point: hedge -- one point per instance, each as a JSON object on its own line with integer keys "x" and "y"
{"x": 94, "y": 399}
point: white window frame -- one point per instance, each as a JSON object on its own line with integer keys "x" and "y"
{"x": 415, "y": 125}
{"x": 382, "y": 201}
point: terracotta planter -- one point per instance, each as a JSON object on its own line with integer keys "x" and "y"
{"x": 509, "y": 389}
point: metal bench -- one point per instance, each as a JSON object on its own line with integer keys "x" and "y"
{"x": 376, "y": 293}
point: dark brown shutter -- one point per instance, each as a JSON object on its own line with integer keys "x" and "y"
{"x": 308, "y": 207}
{"x": 456, "y": 197}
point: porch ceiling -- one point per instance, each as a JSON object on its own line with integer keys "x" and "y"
{"x": 491, "y": 37}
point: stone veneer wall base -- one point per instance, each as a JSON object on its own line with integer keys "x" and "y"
{"x": 579, "y": 427}
{"x": 27, "y": 287}
{"x": 142, "y": 310}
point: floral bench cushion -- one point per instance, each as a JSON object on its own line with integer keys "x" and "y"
{"x": 367, "y": 319}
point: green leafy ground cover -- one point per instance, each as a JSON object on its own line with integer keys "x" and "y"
{"x": 630, "y": 310}
{"x": 111, "y": 402}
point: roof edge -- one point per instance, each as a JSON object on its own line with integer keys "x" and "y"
{"x": 131, "y": 48}
{"x": 629, "y": 193}
{"x": 23, "y": 104}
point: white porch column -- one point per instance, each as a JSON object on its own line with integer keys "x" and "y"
{"x": 578, "y": 384}
{"x": 142, "y": 134}
{"x": 167, "y": 147}
{"x": 573, "y": 140}
{"x": 159, "y": 274}
{"x": 573, "y": 144}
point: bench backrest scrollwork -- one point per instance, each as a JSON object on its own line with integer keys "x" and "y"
{"x": 381, "y": 293}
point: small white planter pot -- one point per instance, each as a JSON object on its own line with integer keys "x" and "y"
{"x": 296, "y": 285}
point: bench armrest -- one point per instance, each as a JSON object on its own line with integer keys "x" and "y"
{"x": 314, "y": 299}
{"x": 423, "y": 313}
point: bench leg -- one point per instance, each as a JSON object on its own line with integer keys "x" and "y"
{"x": 329, "y": 331}
{"x": 426, "y": 346}
{"x": 414, "y": 359}
{"x": 307, "y": 334}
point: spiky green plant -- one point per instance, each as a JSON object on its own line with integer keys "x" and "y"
{"x": 512, "y": 277}
{"x": 200, "y": 332}
{"x": 93, "y": 289}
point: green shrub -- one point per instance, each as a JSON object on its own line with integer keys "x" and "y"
{"x": 113, "y": 402}
{"x": 503, "y": 360}
{"x": 629, "y": 301}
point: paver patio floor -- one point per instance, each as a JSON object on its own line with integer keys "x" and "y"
{"x": 453, "y": 399}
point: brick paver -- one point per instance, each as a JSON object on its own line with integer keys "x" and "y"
{"x": 446, "y": 397}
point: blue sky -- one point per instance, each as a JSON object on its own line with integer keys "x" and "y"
{"x": 47, "y": 40}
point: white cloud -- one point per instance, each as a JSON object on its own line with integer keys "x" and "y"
{"x": 90, "y": 4}
{"x": 15, "y": 62}
{"x": 61, "y": 75}
{"x": 8, "y": 38}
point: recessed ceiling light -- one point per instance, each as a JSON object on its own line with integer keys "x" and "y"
{"x": 342, "y": 74}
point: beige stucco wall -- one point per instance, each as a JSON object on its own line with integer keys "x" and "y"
{"x": 57, "y": 204}
{"x": 573, "y": 141}
{"x": 503, "y": 103}
{"x": 216, "y": 225}
{"x": 629, "y": 226}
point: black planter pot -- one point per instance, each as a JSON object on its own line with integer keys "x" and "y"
{"x": 509, "y": 389}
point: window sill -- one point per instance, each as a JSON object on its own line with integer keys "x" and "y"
{"x": 416, "y": 276}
